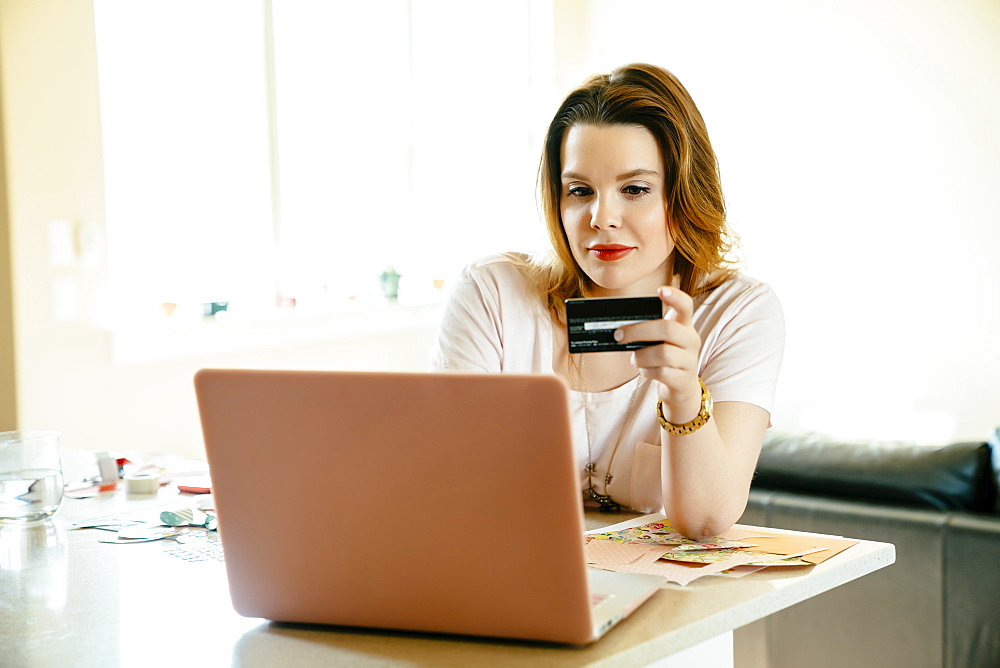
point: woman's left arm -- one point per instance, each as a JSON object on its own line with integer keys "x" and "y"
{"x": 705, "y": 474}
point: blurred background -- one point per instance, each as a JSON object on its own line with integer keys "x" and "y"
{"x": 296, "y": 183}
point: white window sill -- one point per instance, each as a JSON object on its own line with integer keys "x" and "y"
{"x": 190, "y": 340}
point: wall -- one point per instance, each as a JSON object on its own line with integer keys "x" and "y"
{"x": 860, "y": 154}
{"x": 53, "y": 172}
{"x": 8, "y": 379}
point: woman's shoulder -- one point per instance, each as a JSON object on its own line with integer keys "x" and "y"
{"x": 738, "y": 285}
{"x": 503, "y": 269}
{"x": 502, "y": 261}
{"x": 502, "y": 285}
{"x": 739, "y": 291}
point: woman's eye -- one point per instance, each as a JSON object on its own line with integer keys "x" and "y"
{"x": 579, "y": 191}
{"x": 635, "y": 190}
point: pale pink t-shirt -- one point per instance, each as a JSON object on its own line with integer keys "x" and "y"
{"x": 495, "y": 322}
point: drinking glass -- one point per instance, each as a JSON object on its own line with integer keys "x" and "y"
{"x": 31, "y": 479}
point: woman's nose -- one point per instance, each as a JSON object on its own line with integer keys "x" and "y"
{"x": 605, "y": 215}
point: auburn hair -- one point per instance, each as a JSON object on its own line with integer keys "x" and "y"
{"x": 653, "y": 98}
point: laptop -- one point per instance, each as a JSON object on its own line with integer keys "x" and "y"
{"x": 442, "y": 503}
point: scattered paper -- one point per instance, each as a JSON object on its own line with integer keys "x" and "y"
{"x": 715, "y": 556}
{"x": 639, "y": 546}
{"x": 608, "y": 552}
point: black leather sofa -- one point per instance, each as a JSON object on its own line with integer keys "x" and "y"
{"x": 938, "y": 605}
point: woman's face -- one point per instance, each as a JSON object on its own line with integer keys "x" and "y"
{"x": 613, "y": 208}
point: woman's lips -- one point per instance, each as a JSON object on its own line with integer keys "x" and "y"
{"x": 610, "y": 253}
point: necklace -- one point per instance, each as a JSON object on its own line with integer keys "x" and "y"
{"x": 606, "y": 503}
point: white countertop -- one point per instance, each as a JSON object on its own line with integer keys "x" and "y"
{"x": 68, "y": 599}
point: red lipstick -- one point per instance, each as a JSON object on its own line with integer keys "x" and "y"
{"x": 610, "y": 252}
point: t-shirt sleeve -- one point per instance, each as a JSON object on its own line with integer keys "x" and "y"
{"x": 469, "y": 337}
{"x": 746, "y": 349}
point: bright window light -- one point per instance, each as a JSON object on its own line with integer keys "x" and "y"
{"x": 185, "y": 152}
{"x": 270, "y": 152}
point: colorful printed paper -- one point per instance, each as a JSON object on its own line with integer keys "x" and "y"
{"x": 661, "y": 533}
{"x": 639, "y": 548}
{"x": 716, "y": 556}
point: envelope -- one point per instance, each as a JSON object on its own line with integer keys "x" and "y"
{"x": 779, "y": 543}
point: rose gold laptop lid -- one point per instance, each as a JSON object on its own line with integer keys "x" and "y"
{"x": 426, "y": 502}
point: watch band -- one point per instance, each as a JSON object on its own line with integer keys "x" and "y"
{"x": 699, "y": 421}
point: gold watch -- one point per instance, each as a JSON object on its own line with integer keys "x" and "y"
{"x": 699, "y": 421}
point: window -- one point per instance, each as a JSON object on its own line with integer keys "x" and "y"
{"x": 295, "y": 149}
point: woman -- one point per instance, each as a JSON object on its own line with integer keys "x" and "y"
{"x": 633, "y": 205}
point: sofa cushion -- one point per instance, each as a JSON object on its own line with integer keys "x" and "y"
{"x": 995, "y": 445}
{"x": 972, "y": 587}
{"x": 951, "y": 477}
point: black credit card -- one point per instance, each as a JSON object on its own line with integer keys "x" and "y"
{"x": 591, "y": 323}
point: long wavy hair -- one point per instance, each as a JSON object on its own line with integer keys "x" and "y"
{"x": 653, "y": 98}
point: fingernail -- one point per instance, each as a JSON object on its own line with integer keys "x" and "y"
{"x": 619, "y": 335}
{"x": 665, "y": 292}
